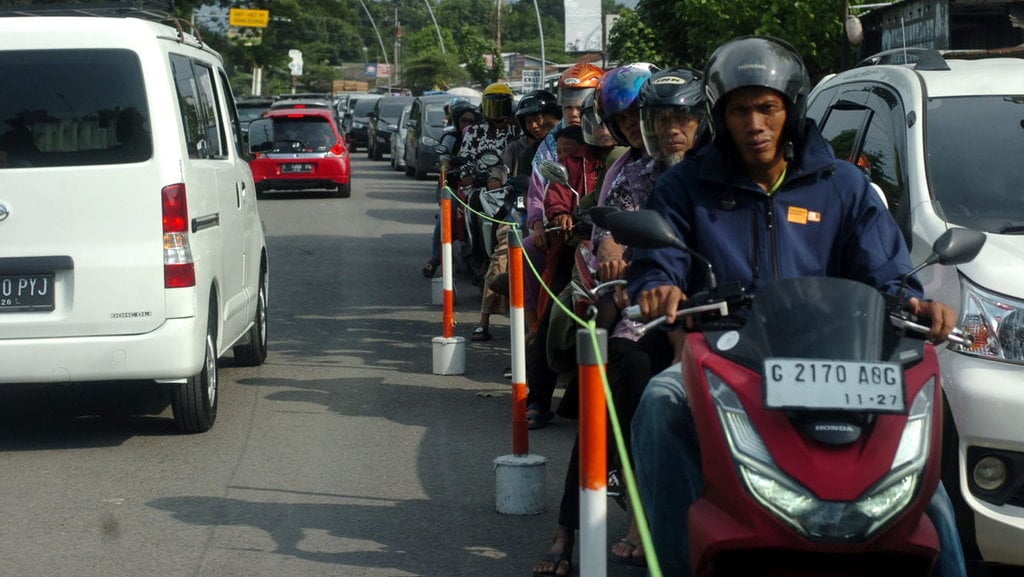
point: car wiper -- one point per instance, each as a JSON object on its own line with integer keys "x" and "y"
{"x": 1011, "y": 228}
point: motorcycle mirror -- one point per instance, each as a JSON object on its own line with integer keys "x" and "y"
{"x": 598, "y": 214}
{"x": 554, "y": 171}
{"x": 643, "y": 228}
{"x": 646, "y": 228}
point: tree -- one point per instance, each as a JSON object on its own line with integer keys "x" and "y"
{"x": 630, "y": 40}
{"x": 812, "y": 26}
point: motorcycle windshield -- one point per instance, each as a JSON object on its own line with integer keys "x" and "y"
{"x": 819, "y": 318}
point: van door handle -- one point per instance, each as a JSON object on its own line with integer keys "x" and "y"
{"x": 239, "y": 193}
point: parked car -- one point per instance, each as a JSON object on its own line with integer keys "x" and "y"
{"x": 130, "y": 242}
{"x": 384, "y": 121}
{"x": 299, "y": 149}
{"x": 398, "y": 140}
{"x": 358, "y": 119}
{"x": 426, "y": 123}
{"x": 942, "y": 137}
{"x": 250, "y": 109}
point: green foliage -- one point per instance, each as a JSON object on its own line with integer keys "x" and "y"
{"x": 813, "y": 26}
{"x": 631, "y": 40}
{"x": 433, "y": 70}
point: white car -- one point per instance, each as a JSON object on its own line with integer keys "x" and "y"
{"x": 130, "y": 242}
{"x": 943, "y": 139}
{"x": 398, "y": 140}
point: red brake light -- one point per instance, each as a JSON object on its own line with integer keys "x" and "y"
{"x": 175, "y": 208}
{"x": 179, "y": 267}
{"x": 337, "y": 149}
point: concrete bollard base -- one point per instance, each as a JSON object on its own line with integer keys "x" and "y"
{"x": 449, "y": 355}
{"x": 519, "y": 484}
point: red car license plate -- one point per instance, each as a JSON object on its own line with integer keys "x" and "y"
{"x": 26, "y": 292}
{"x": 292, "y": 168}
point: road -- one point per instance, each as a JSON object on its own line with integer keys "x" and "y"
{"x": 342, "y": 455}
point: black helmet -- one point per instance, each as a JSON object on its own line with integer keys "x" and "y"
{"x": 757, "y": 61}
{"x": 537, "y": 102}
{"x": 679, "y": 89}
{"x": 460, "y": 107}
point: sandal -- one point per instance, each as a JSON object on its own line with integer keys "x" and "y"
{"x": 556, "y": 559}
{"x": 537, "y": 418}
{"x": 480, "y": 334}
{"x": 629, "y": 559}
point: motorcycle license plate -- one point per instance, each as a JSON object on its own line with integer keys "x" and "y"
{"x": 875, "y": 387}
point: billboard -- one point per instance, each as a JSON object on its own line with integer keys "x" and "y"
{"x": 583, "y": 31}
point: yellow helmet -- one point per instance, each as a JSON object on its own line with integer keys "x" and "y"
{"x": 497, "y": 102}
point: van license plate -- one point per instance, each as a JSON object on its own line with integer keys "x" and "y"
{"x": 290, "y": 168}
{"x": 26, "y": 292}
{"x": 875, "y": 387}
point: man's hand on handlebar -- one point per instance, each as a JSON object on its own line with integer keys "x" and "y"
{"x": 662, "y": 300}
{"x": 943, "y": 318}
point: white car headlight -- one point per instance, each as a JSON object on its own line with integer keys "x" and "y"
{"x": 995, "y": 322}
{"x": 800, "y": 508}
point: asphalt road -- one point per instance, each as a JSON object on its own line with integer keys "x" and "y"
{"x": 342, "y": 455}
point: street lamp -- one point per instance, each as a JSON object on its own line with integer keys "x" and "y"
{"x": 436, "y": 27}
{"x": 383, "y": 50}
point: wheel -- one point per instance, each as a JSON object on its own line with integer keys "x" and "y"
{"x": 260, "y": 192}
{"x": 410, "y": 170}
{"x": 394, "y": 165}
{"x": 194, "y": 402}
{"x": 420, "y": 174}
{"x": 377, "y": 153}
{"x": 369, "y": 151}
{"x": 254, "y": 352}
{"x": 343, "y": 190}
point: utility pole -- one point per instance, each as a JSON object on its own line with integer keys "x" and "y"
{"x": 398, "y": 44}
{"x": 498, "y": 55}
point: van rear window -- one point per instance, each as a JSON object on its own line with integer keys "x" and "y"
{"x": 72, "y": 108}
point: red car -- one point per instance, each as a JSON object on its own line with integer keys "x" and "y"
{"x": 299, "y": 149}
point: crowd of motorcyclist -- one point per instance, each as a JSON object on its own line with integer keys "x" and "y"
{"x": 705, "y": 148}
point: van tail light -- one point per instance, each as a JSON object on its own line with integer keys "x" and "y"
{"x": 179, "y": 267}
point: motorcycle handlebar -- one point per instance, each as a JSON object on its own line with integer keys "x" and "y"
{"x": 957, "y": 335}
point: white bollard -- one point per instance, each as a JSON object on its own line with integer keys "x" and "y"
{"x": 520, "y": 487}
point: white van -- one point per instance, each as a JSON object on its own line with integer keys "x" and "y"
{"x": 130, "y": 242}
{"x": 942, "y": 138}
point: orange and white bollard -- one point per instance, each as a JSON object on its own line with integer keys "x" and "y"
{"x": 593, "y": 444}
{"x": 519, "y": 477}
{"x": 449, "y": 350}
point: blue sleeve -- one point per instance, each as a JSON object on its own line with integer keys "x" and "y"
{"x": 651, "y": 268}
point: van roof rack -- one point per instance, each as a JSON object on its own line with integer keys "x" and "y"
{"x": 161, "y": 11}
{"x": 150, "y": 9}
{"x": 921, "y": 58}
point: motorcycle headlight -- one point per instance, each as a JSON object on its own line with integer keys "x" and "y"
{"x": 428, "y": 141}
{"x": 800, "y": 508}
{"x": 995, "y": 322}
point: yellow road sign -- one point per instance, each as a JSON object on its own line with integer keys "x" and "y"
{"x": 249, "y": 18}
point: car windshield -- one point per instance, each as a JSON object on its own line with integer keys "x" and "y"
{"x": 247, "y": 113}
{"x": 390, "y": 110}
{"x": 306, "y": 134}
{"x": 435, "y": 115}
{"x": 977, "y": 181}
{"x": 364, "y": 106}
{"x": 71, "y": 108}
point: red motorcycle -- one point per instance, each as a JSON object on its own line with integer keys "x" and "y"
{"x": 818, "y": 407}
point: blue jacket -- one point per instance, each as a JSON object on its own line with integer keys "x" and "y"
{"x": 824, "y": 220}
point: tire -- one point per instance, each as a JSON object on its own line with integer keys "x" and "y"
{"x": 194, "y": 402}
{"x": 254, "y": 352}
{"x": 410, "y": 170}
{"x": 420, "y": 174}
{"x": 343, "y": 190}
